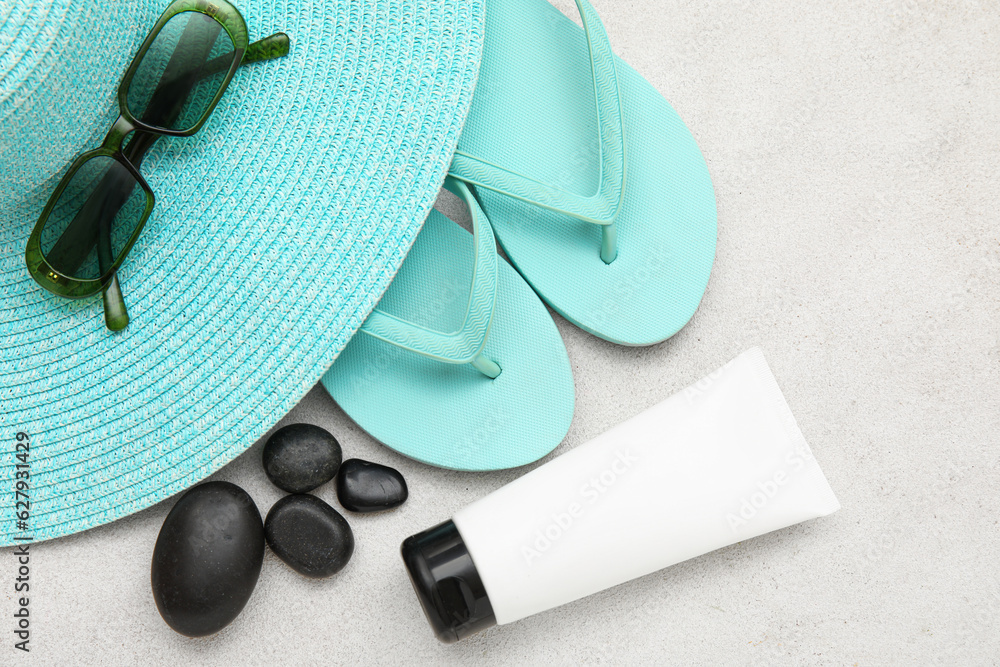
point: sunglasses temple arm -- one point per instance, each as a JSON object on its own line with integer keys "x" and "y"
{"x": 115, "y": 313}
{"x": 269, "y": 48}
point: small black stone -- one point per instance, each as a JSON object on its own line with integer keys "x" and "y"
{"x": 300, "y": 457}
{"x": 369, "y": 487}
{"x": 311, "y": 537}
{"x": 207, "y": 558}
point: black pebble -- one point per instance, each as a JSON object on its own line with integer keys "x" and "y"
{"x": 369, "y": 487}
{"x": 207, "y": 558}
{"x": 311, "y": 537}
{"x": 300, "y": 457}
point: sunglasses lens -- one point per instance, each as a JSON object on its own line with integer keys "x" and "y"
{"x": 181, "y": 73}
{"x": 93, "y": 219}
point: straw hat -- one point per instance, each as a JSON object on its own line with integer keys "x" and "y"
{"x": 277, "y": 228}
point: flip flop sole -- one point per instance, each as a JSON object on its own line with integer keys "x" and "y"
{"x": 452, "y": 416}
{"x": 533, "y": 112}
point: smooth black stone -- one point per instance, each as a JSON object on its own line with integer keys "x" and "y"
{"x": 311, "y": 537}
{"x": 369, "y": 487}
{"x": 207, "y": 558}
{"x": 300, "y": 457}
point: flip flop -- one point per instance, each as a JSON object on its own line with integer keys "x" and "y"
{"x": 556, "y": 114}
{"x": 495, "y": 393}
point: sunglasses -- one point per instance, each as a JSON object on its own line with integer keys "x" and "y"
{"x": 100, "y": 206}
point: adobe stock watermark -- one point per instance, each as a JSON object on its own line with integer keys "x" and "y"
{"x": 767, "y": 489}
{"x": 489, "y": 428}
{"x": 592, "y": 492}
{"x": 614, "y": 305}
{"x": 23, "y": 538}
{"x": 700, "y": 388}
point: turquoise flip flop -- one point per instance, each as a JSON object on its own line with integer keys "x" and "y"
{"x": 496, "y": 392}
{"x": 556, "y": 114}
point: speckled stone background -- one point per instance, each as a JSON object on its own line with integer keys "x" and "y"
{"x": 855, "y": 151}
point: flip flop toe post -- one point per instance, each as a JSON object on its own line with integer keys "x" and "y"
{"x": 460, "y": 378}
{"x": 557, "y": 114}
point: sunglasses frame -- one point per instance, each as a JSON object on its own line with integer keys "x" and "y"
{"x": 230, "y": 19}
{"x": 233, "y": 23}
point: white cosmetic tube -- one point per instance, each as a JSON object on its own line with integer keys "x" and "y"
{"x": 718, "y": 463}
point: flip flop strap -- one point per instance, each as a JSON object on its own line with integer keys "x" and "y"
{"x": 464, "y": 346}
{"x": 601, "y": 208}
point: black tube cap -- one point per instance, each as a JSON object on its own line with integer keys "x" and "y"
{"x": 447, "y": 583}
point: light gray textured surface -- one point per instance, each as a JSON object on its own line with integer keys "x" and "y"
{"x": 854, "y": 149}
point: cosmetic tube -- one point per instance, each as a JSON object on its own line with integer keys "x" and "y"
{"x": 718, "y": 463}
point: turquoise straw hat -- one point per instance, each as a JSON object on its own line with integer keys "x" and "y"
{"x": 277, "y": 227}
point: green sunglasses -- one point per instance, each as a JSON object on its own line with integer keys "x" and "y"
{"x": 100, "y": 206}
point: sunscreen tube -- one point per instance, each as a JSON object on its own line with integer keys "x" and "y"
{"x": 718, "y": 463}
